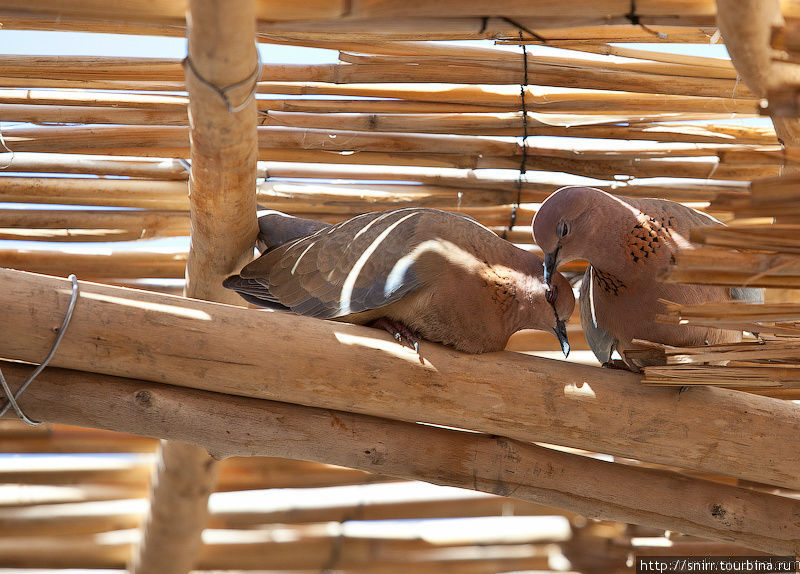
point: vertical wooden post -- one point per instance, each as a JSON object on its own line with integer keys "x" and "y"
{"x": 746, "y": 26}
{"x": 221, "y": 72}
{"x": 220, "y": 75}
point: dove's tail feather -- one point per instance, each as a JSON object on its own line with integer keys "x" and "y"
{"x": 253, "y": 292}
{"x": 276, "y": 228}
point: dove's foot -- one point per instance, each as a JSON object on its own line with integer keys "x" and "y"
{"x": 618, "y": 365}
{"x": 400, "y": 332}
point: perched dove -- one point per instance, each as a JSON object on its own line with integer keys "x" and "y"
{"x": 415, "y": 271}
{"x": 628, "y": 242}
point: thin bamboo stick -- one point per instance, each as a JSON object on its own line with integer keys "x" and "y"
{"x": 42, "y": 114}
{"x": 455, "y": 53}
{"x": 607, "y": 33}
{"x": 23, "y": 82}
{"x": 419, "y": 98}
{"x": 15, "y": 437}
{"x": 540, "y": 99}
{"x": 378, "y": 106}
{"x": 249, "y": 473}
{"x": 445, "y": 55}
{"x": 150, "y": 222}
{"x": 726, "y": 376}
{"x": 591, "y": 77}
{"x": 386, "y": 147}
{"x": 415, "y": 28}
{"x": 82, "y": 191}
{"x": 25, "y": 162}
{"x": 278, "y": 11}
{"x": 165, "y": 74}
{"x": 780, "y": 190}
{"x": 102, "y": 516}
{"x": 58, "y": 225}
{"x": 579, "y": 9}
{"x": 666, "y": 57}
{"x": 170, "y": 22}
{"x": 101, "y": 265}
{"x": 784, "y": 238}
{"x": 302, "y": 553}
{"x": 511, "y": 124}
{"x": 781, "y": 311}
{"x": 721, "y": 267}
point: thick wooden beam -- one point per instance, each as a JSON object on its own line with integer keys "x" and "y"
{"x": 476, "y": 461}
{"x": 347, "y": 367}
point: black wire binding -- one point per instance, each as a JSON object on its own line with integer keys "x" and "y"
{"x": 523, "y": 164}
{"x": 525, "y": 29}
{"x": 636, "y": 20}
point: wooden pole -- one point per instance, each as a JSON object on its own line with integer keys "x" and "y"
{"x": 348, "y": 367}
{"x": 746, "y": 26}
{"x": 220, "y": 70}
{"x": 585, "y": 485}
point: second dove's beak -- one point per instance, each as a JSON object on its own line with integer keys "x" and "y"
{"x": 550, "y": 263}
{"x": 561, "y": 333}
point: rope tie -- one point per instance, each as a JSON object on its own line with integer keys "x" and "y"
{"x": 253, "y": 79}
{"x": 13, "y": 397}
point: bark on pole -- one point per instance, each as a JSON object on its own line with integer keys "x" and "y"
{"x": 235, "y": 426}
{"x": 221, "y": 71}
{"x": 302, "y": 360}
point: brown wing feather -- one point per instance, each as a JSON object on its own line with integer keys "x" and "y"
{"x": 348, "y": 268}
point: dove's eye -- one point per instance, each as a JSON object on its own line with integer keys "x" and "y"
{"x": 552, "y": 295}
{"x": 562, "y": 229}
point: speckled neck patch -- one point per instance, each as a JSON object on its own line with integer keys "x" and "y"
{"x": 648, "y": 236}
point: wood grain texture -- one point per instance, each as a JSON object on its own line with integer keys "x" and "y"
{"x": 588, "y": 486}
{"x": 347, "y": 367}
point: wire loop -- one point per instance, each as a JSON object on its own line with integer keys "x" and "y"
{"x": 13, "y": 397}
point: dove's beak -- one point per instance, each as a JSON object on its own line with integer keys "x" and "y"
{"x": 550, "y": 264}
{"x": 561, "y": 333}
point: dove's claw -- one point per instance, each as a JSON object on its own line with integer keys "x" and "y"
{"x": 399, "y": 331}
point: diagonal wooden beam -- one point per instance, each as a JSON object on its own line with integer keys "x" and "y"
{"x": 229, "y": 426}
{"x": 302, "y": 360}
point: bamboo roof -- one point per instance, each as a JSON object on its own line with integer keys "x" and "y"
{"x": 97, "y": 158}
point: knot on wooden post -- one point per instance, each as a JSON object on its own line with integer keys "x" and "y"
{"x": 143, "y": 398}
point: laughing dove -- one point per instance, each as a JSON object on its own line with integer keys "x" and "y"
{"x": 428, "y": 273}
{"x": 628, "y": 242}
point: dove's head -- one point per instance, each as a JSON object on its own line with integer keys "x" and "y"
{"x": 563, "y": 225}
{"x": 562, "y": 301}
